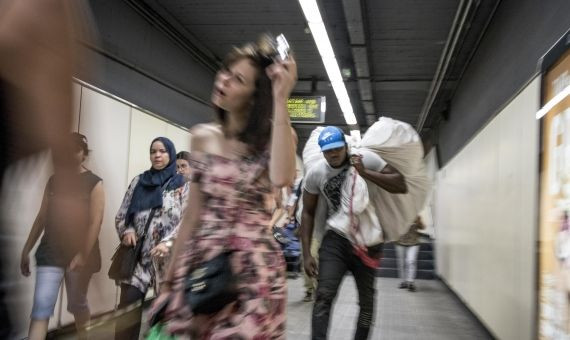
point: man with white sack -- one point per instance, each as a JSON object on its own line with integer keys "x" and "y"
{"x": 353, "y": 239}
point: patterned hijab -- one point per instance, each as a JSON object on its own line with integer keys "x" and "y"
{"x": 152, "y": 183}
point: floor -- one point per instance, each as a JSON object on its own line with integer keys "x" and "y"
{"x": 432, "y": 312}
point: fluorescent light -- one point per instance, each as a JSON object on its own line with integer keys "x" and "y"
{"x": 311, "y": 11}
{"x": 319, "y": 32}
{"x": 553, "y": 102}
{"x": 322, "y": 41}
{"x": 332, "y": 70}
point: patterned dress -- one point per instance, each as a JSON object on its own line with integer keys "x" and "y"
{"x": 161, "y": 228}
{"x": 234, "y": 216}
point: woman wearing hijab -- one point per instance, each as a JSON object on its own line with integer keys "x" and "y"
{"x": 159, "y": 193}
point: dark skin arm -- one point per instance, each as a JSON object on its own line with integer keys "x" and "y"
{"x": 307, "y": 224}
{"x": 388, "y": 178}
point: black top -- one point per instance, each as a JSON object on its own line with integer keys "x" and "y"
{"x": 58, "y": 247}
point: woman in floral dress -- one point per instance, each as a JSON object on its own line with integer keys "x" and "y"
{"x": 162, "y": 189}
{"x": 236, "y": 164}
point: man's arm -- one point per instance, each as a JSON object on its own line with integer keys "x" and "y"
{"x": 307, "y": 223}
{"x": 388, "y": 178}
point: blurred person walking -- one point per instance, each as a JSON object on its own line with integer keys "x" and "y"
{"x": 151, "y": 210}
{"x": 235, "y": 165}
{"x": 67, "y": 253}
{"x": 37, "y": 54}
{"x": 407, "y": 249}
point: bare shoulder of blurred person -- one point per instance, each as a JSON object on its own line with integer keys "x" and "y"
{"x": 37, "y": 57}
{"x": 37, "y": 52}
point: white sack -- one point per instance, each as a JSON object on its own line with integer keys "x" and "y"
{"x": 399, "y": 145}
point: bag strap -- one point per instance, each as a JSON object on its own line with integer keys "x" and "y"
{"x": 298, "y": 192}
{"x": 147, "y": 224}
{"x": 153, "y": 211}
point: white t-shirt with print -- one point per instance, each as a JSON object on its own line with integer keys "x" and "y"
{"x": 326, "y": 180}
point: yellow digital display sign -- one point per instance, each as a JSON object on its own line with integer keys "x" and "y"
{"x": 307, "y": 109}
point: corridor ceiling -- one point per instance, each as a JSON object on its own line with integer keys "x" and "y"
{"x": 403, "y": 58}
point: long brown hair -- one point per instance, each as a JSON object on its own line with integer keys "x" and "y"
{"x": 257, "y": 130}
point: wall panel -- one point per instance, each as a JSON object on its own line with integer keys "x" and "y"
{"x": 76, "y": 106}
{"x": 486, "y": 200}
{"x": 180, "y": 137}
{"x": 144, "y": 128}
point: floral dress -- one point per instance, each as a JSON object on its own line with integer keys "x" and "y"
{"x": 161, "y": 228}
{"x": 234, "y": 216}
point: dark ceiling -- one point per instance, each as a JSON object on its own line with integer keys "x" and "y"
{"x": 406, "y": 57}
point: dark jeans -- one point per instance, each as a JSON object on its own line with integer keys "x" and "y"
{"x": 128, "y": 325}
{"x": 336, "y": 257}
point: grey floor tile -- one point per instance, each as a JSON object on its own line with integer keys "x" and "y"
{"x": 430, "y": 313}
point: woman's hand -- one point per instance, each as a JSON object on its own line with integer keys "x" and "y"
{"x": 283, "y": 75}
{"x": 157, "y": 310}
{"x": 25, "y": 264}
{"x": 130, "y": 239}
{"x": 160, "y": 250}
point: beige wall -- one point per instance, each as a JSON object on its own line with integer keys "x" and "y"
{"x": 119, "y": 136}
{"x": 486, "y": 206}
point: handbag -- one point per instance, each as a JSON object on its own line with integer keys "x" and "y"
{"x": 211, "y": 286}
{"x": 124, "y": 261}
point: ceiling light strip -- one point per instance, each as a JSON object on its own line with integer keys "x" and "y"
{"x": 319, "y": 32}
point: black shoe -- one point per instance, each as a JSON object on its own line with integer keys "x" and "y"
{"x": 308, "y": 297}
{"x": 411, "y": 287}
{"x": 403, "y": 285}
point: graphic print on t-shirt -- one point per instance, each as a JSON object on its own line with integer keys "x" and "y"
{"x": 332, "y": 191}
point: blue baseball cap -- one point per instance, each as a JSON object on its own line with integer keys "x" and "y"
{"x": 331, "y": 138}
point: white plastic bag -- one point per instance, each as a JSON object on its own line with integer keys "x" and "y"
{"x": 362, "y": 213}
{"x": 312, "y": 152}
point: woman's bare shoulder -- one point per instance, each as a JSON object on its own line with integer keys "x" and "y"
{"x": 206, "y": 137}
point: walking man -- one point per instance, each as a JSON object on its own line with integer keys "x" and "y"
{"x": 337, "y": 253}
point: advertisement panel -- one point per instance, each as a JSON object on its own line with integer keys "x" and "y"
{"x": 554, "y": 222}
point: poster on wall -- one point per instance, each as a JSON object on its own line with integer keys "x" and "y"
{"x": 554, "y": 212}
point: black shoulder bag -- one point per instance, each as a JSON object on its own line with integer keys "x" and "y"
{"x": 211, "y": 286}
{"x": 125, "y": 259}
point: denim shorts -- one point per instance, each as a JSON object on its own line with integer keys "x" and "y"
{"x": 48, "y": 282}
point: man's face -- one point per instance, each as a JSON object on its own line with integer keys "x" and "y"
{"x": 335, "y": 157}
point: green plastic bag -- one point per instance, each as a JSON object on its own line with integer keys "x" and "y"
{"x": 157, "y": 333}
